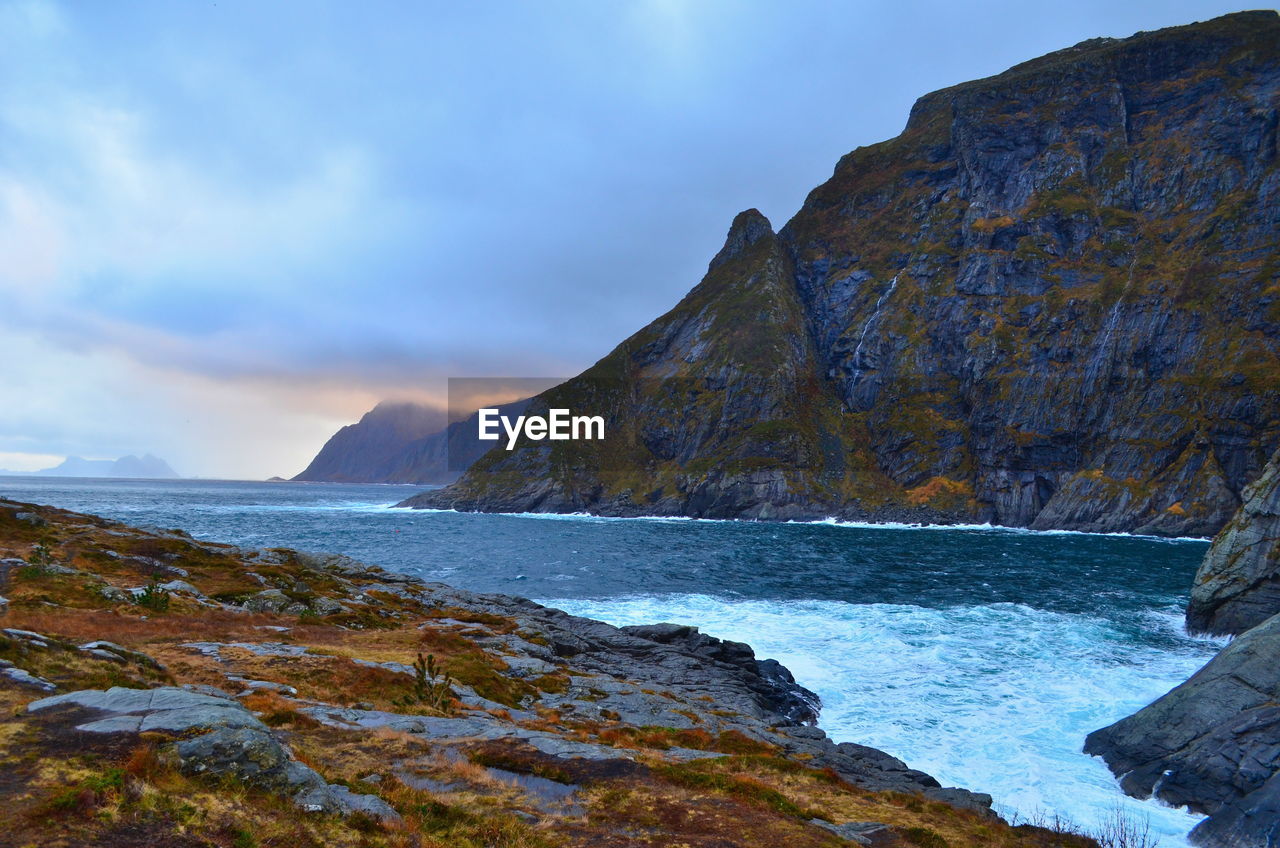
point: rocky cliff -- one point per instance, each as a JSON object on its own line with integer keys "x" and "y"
{"x": 1238, "y": 584}
{"x": 1052, "y": 301}
{"x": 1212, "y": 744}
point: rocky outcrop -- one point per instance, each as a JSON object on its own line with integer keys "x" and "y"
{"x": 1238, "y": 584}
{"x": 214, "y": 735}
{"x": 1050, "y": 302}
{"x": 1212, "y": 744}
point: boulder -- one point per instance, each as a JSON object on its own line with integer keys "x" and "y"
{"x": 273, "y": 600}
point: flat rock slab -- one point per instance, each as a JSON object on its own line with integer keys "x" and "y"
{"x": 262, "y": 649}
{"x": 136, "y": 710}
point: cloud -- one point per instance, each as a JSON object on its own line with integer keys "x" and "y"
{"x": 227, "y": 226}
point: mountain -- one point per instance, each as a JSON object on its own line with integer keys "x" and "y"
{"x": 1053, "y": 301}
{"x": 370, "y": 450}
{"x": 146, "y": 467}
{"x": 402, "y": 443}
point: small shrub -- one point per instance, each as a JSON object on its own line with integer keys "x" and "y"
{"x": 40, "y": 555}
{"x": 154, "y": 597}
{"x": 431, "y": 686}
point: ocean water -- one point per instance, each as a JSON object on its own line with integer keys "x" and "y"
{"x": 981, "y": 655}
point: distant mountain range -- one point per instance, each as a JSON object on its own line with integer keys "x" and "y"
{"x": 145, "y": 467}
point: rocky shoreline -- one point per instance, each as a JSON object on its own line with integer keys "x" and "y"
{"x": 344, "y": 704}
{"x": 1212, "y": 744}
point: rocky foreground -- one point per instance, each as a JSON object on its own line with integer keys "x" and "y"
{"x": 160, "y": 690}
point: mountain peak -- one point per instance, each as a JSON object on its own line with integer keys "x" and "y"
{"x": 1142, "y": 58}
{"x": 748, "y": 227}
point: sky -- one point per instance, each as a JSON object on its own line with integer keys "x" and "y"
{"x": 229, "y": 228}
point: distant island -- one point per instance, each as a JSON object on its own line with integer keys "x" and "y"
{"x": 146, "y": 467}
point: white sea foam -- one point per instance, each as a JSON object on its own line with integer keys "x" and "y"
{"x": 828, "y": 522}
{"x": 995, "y": 698}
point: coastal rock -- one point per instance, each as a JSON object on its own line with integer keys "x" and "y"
{"x": 1238, "y": 584}
{"x": 667, "y": 656}
{"x": 1050, "y": 302}
{"x": 552, "y": 704}
{"x": 219, "y": 737}
{"x": 1212, "y": 744}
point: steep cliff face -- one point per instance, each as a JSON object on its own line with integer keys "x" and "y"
{"x": 1238, "y": 584}
{"x": 1052, "y": 301}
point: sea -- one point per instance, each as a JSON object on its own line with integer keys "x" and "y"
{"x": 981, "y": 655}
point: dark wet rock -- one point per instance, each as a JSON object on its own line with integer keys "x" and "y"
{"x": 1238, "y": 584}
{"x": 249, "y": 754}
{"x": 668, "y": 656}
{"x": 1050, "y": 302}
{"x": 1211, "y": 744}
